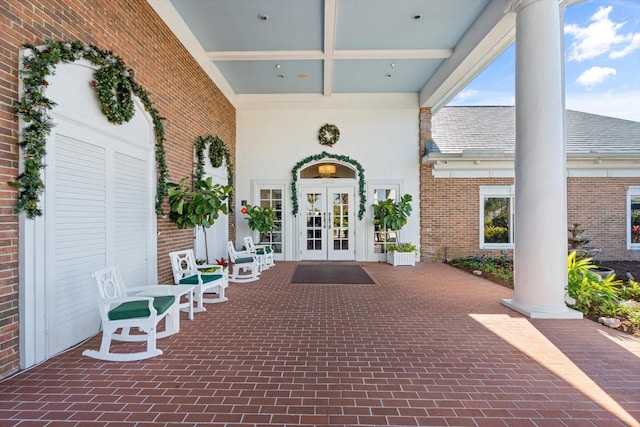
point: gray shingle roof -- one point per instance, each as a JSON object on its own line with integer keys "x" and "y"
{"x": 488, "y": 130}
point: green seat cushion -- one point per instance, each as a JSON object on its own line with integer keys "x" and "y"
{"x": 133, "y": 309}
{"x": 245, "y": 260}
{"x": 206, "y": 278}
{"x": 260, "y": 251}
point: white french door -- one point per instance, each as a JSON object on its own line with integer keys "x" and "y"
{"x": 327, "y": 229}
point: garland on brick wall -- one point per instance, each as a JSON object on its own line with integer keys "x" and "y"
{"x": 218, "y": 152}
{"x": 114, "y": 85}
{"x": 324, "y": 155}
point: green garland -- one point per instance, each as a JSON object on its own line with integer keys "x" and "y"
{"x": 324, "y": 155}
{"x": 218, "y": 152}
{"x": 114, "y": 85}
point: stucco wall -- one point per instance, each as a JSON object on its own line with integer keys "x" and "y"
{"x": 383, "y": 139}
{"x": 191, "y": 104}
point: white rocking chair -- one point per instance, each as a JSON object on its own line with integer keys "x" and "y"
{"x": 245, "y": 265}
{"x": 264, "y": 253}
{"x": 118, "y": 310}
{"x": 187, "y": 272}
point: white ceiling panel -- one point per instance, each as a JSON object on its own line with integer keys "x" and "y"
{"x": 325, "y": 47}
{"x": 235, "y": 25}
{"x": 382, "y": 76}
{"x": 404, "y": 24}
{"x": 263, "y": 77}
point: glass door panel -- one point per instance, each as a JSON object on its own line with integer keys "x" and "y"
{"x": 327, "y": 230}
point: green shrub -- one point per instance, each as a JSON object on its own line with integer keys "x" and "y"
{"x": 630, "y": 291}
{"x": 611, "y": 308}
{"x": 401, "y": 247}
{"x": 587, "y": 288}
{"x": 500, "y": 267}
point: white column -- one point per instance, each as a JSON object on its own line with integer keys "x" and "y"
{"x": 540, "y": 226}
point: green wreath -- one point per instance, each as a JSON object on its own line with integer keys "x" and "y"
{"x": 218, "y": 152}
{"x": 328, "y": 134}
{"x": 113, "y": 86}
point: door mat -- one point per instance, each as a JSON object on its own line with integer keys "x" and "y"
{"x": 333, "y": 274}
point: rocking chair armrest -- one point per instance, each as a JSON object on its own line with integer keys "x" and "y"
{"x": 135, "y": 289}
{"x": 244, "y": 254}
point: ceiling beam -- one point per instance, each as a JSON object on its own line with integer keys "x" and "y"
{"x": 394, "y": 54}
{"x": 272, "y": 55}
{"x": 330, "y": 19}
{"x": 337, "y": 54}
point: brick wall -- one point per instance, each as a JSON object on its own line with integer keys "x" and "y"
{"x": 449, "y": 215}
{"x": 599, "y": 205}
{"x": 181, "y": 91}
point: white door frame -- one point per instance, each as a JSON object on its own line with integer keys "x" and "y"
{"x": 325, "y": 222}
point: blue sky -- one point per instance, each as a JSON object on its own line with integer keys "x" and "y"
{"x": 602, "y": 63}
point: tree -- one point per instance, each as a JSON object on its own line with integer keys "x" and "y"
{"x": 392, "y": 215}
{"x": 261, "y": 219}
{"x": 199, "y": 206}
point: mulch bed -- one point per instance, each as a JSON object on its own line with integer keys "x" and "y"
{"x": 622, "y": 268}
{"x": 485, "y": 275}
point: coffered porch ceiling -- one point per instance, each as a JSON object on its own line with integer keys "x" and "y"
{"x": 308, "y": 49}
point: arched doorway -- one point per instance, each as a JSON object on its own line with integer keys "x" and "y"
{"x": 327, "y": 191}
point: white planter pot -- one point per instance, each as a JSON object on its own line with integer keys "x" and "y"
{"x": 401, "y": 258}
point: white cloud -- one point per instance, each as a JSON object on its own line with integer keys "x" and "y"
{"x": 466, "y": 94}
{"x": 594, "y": 76}
{"x": 600, "y": 37}
{"x": 633, "y": 45}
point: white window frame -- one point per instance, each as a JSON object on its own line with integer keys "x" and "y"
{"x": 282, "y": 187}
{"x": 372, "y": 186}
{"x": 633, "y": 191}
{"x": 504, "y": 191}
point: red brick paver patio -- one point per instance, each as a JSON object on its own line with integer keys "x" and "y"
{"x": 424, "y": 346}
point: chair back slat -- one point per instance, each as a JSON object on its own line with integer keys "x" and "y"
{"x": 183, "y": 263}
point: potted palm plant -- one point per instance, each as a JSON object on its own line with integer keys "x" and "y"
{"x": 392, "y": 215}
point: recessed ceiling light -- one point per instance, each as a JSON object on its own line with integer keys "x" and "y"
{"x": 263, "y": 17}
{"x": 277, "y": 66}
{"x": 417, "y": 16}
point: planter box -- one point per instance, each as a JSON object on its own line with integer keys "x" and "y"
{"x": 401, "y": 258}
